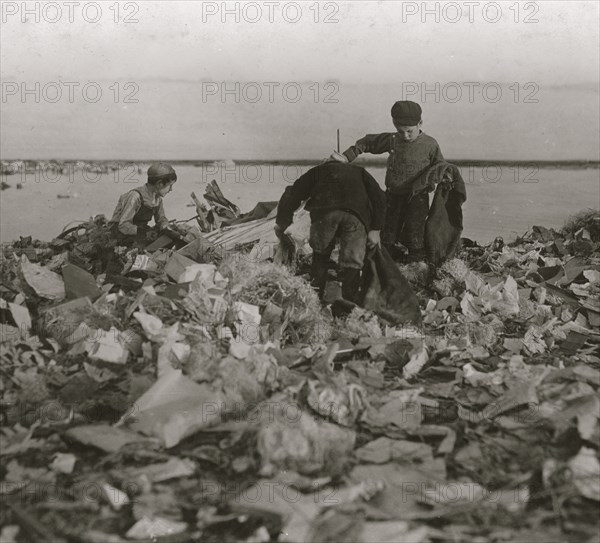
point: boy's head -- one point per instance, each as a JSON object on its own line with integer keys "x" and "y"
{"x": 406, "y": 117}
{"x": 162, "y": 177}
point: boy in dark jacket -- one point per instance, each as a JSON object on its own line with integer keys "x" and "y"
{"x": 345, "y": 203}
{"x": 411, "y": 152}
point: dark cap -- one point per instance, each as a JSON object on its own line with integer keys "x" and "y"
{"x": 407, "y": 113}
{"x": 161, "y": 171}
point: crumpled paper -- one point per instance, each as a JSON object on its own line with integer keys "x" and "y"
{"x": 44, "y": 282}
{"x": 586, "y": 473}
{"x": 292, "y": 439}
{"x": 343, "y": 403}
{"x": 175, "y": 407}
{"x": 171, "y": 349}
{"x": 481, "y": 299}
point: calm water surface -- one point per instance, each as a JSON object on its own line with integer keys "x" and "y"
{"x": 504, "y": 201}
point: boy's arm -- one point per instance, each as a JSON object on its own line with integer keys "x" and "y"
{"x": 377, "y": 200}
{"x": 375, "y": 144}
{"x": 436, "y": 155}
{"x": 293, "y": 196}
{"x": 160, "y": 218}
{"x": 130, "y": 208}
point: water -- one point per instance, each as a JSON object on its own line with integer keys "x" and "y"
{"x": 173, "y": 121}
{"x": 504, "y": 201}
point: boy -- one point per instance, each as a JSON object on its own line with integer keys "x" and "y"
{"x": 345, "y": 203}
{"x": 136, "y": 208}
{"x": 411, "y": 153}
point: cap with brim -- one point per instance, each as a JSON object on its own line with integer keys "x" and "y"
{"x": 406, "y": 113}
{"x": 161, "y": 172}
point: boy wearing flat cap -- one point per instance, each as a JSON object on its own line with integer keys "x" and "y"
{"x": 411, "y": 152}
{"x": 136, "y": 208}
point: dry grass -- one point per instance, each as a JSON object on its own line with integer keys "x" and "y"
{"x": 259, "y": 283}
{"x": 588, "y": 219}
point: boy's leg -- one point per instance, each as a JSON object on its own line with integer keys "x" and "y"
{"x": 353, "y": 248}
{"x": 322, "y": 242}
{"x": 393, "y": 221}
{"x": 319, "y": 272}
{"x": 413, "y": 232}
{"x": 350, "y": 283}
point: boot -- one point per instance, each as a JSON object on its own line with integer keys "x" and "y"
{"x": 415, "y": 255}
{"x": 318, "y": 272}
{"x": 390, "y": 248}
{"x": 350, "y": 283}
{"x": 397, "y": 252}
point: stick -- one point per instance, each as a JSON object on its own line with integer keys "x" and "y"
{"x": 338, "y": 140}
{"x": 202, "y": 222}
{"x": 35, "y": 530}
{"x": 187, "y": 220}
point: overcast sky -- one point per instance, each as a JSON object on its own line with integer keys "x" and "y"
{"x": 369, "y": 41}
{"x": 547, "y": 43}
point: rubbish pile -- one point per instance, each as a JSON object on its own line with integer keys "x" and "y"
{"x": 202, "y": 396}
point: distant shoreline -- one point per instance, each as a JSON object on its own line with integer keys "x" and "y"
{"x": 10, "y": 166}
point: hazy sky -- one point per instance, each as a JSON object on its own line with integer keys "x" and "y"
{"x": 189, "y": 40}
{"x": 547, "y": 43}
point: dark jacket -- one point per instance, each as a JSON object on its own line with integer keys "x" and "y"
{"x": 406, "y": 160}
{"x": 445, "y": 220}
{"x": 331, "y": 186}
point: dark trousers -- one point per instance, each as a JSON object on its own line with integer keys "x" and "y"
{"x": 343, "y": 226}
{"x": 405, "y": 221}
{"x": 350, "y": 231}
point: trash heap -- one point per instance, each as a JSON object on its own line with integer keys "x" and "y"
{"x": 195, "y": 398}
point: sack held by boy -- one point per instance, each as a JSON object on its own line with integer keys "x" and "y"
{"x": 413, "y": 155}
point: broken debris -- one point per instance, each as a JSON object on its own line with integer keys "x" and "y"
{"x": 211, "y": 396}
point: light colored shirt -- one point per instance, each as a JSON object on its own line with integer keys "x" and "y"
{"x": 131, "y": 202}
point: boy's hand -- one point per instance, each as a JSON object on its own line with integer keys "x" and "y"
{"x": 446, "y": 183}
{"x": 338, "y": 157}
{"x": 172, "y": 233}
{"x": 279, "y": 231}
{"x": 373, "y": 239}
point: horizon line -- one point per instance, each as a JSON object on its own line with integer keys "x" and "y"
{"x": 194, "y": 161}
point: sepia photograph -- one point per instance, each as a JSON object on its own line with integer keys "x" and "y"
{"x": 300, "y": 271}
